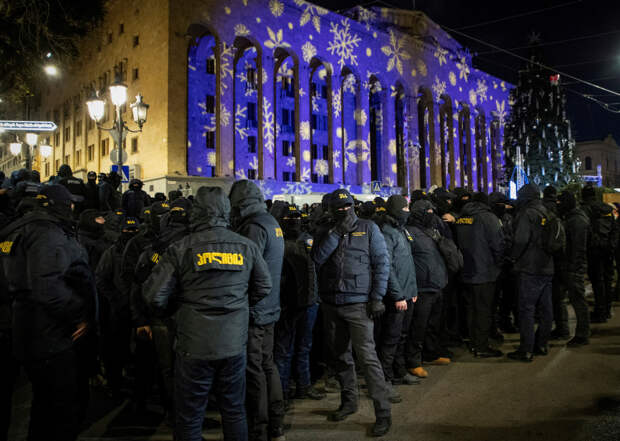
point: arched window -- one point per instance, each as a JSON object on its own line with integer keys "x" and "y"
{"x": 399, "y": 104}
{"x": 446, "y": 130}
{"x": 321, "y": 164}
{"x": 588, "y": 163}
{"x": 202, "y": 106}
{"x": 286, "y": 155}
{"x": 426, "y": 133}
{"x": 352, "y": 119}
{"x": 376, "y": 128}
{"x": 465, "y": 147}
{"x": 481, "y": 152}
{"x": 248, "y": 154}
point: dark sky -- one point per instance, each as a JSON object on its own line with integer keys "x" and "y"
{"x": 596, "y": 59}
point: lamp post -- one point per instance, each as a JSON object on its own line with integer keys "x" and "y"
{"x": 119, "y": 129}
{"x": 18, "y": 148}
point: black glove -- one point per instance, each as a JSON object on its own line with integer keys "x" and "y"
{"x": 346, "y": 224}
{"x": 376, "y": 308}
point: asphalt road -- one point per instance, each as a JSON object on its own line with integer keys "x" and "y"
{"x": 569, "y": 395}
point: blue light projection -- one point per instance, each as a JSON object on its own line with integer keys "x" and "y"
{"x": 305, "y": 100}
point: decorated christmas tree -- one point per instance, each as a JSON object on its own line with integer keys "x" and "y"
{"x": 538, "y": 139}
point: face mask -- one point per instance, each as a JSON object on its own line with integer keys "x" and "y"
{"x": 291, "y": 227}
{"x": 61, "y": 211}
{"x": 126, "y": 236}
{"x": 427, "y": 219}
{"x": 499, "y": 210}
{"x": 341, "y": 214}
{"x": 401, "y": 217}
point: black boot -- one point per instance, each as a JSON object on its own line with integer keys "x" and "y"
{"x": 382, "y": 426}
{"x": 343, "y": 412}
{"x": 518, "y": 355}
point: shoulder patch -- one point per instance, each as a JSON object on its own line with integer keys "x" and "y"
{"x": 358, "y": 233}
{"x": 279, "y": 232}
{"x": 6, "y": 247}
{"x": 465, "y": 221}
{"x": 409, "y": 236}
{"x": 155, "y": 258}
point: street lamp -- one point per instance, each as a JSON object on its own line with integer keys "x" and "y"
{"x": 118, "y": 131}
{"x": 16, "y": 148}
{"x": 31, "y": 139}
{"x": 45, "y": 150}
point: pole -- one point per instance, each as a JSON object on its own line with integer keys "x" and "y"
{"x": 118, "y": 139}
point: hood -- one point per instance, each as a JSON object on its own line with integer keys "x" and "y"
{"x": 87, "y": 221}
{"x": 65, "y": 171}
{"x": 475, "y": 207}
{"x": 134, "y": 182}
{"x": 529, "y": 192}
{"x": 246, "y": 199}
{"x": 419, "y": 210}
{"x": 279, "y": 209}
{"x": 498, "y": 198}
{"x": 211, "y": 208}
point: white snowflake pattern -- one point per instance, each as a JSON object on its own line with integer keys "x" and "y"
{"x": 500, "y": 109}
{"x": 224, "y": 115}
{"x": 268, "y": 126}
{"x": 439, "y": 88}
{"x": 336, "y": 158}
{"x": 452, "y": 78}
{"x": 240, "y": 174}
{"x": 396, "y": 52}
{"x": 265, "y": 75}
{"x": 349, "y": 83}
{"x": 296, "y": 188}
{"x": 304, "y": 130}
{"x": 473, "y": 97}
{"x": 337, "y": 103}
{"x": 226, "y": 69}
{"x": 211, "y": 159}
{"x": 276, "y": 39}
{"x": 241, "y": 30}
{"x": 265, "y": 189}
{"x": 240, "y": 128}
{"x": 253, "y": 164}
{"x": 440, "y": 53}
{"x": 305, "y": 174}
{"x": 392, "y": 147}
{"x": 360, "y": 117}
{"x": 481, "y": 90}
{"x": 366, "y": 17}
{"x": 311, "y": 13}
{"x": 276, "y": 7}
{"x": 308, "y": 51}
{"x": 344, "y": 43}
{"x": 463, "y": 67}
{"x": 290, "y": 161}
{"x": 315, "y": 103}
{"x": 321, "y": 167}
{"x": 421, "y": 65}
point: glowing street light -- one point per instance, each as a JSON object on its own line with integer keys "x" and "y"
{"x": 45, "y": 150}
{"x": 51, "y": 70}
{"x": 31, "y": 139}
{"x": 16, "y": 148}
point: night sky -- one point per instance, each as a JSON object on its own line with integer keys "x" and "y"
{"x": 596, "y": 59}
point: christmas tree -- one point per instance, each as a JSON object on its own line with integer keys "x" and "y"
{"x": 538, "y": 139}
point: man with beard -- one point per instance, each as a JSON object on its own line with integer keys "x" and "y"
{"x": 402, "y": 292}
{"x": 354, "y": 269}
{"x": 53, "y": 291}
{"x": 265, "y": 401}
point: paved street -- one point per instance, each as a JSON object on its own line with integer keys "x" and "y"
{"x": 572, "y": 394}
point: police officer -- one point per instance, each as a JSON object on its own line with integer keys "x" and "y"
{"x": 402, "y": 289}
{"x": 574, "y": 265}
{"x": 74, "y": 185}
{"x": 91, "y": 199}
{"x": 109, "y": 197}
{"x": 479, "y": 236}
{"x": 250, "y": 218}
{"x": 534, "y": 267}
{"x": 135, "y": 199}
{"x": 354, "y": 269}
{"x": 213, "y": 275}
{"x": 53, "y": 289}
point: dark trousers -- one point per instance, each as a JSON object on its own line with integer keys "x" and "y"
{"x": 450, "y": 314}
{"x": 54, "y": 409}
{"x": 115, "y": 352}
{"x": 9, "y": 369}
{"x": 265, "y": 402}
{"x": 347, "y": 328}
{"x": 400, "y": 363}
{"x": 146, "y": 369}
{"x": 193, "y": 381}
{"x": 560, "y": 314}
{"x": 479, "y": 301}
{"x": 506, "y": 286}
{"x": 575, "y": 286}
{"x": 387, "y": 336}
{"x": 600, "y": 272}
{"x": 424, "y": 330}
{"x": 535, "y": 301}
{"x": 163, "y": 343}
{"x": 294, "y": 339}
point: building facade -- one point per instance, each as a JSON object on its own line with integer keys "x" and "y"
{"x": 600, "y": 158}
{"x": 300, "y": 99}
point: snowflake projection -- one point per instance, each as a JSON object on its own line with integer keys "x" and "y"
{"x": 452, "y": 78}
{"x": 304, "y": 130}
{"x": 305, "y": 174}
{"x": 276, "y": 7}
{"x": 306, "y": 156}
{"x": 366, "y": 17}
{"x": 211, "y": 159}
{"x": 284, "y": 72}
{"x": 394, "y": 168}
{"x": 226, "y": 69}
{"x": 315, "y": 103}
{"x": 481, "y": 90}
{"x": 343, "y": 43}
{"x": 253, "y": 164}
{"x": 276, "y": 39}
{"x": 265, "y": 189}
{"x": 308, "y": 51}
{"x": 290, "y": 161}
{"x": 297, "y": 188}
{"x": 473, "y": 97}
{"x": 392, "y": 147}
{"x": 268, "y": 126}
{"x": 265, "y": 75}
{"x": 361, "y": 117}
{"x": 337, "y": 103}
{"x": 368, "y": 83}
{"x": 224, "y": 115}
{"x": 503, "y": 86}
{"x": 500, "y": 110}
{"x": 336, "y": 158}
{"x": 240, "y": 174}
{"x": 421, "y": 65}
{"x": 396, "y": 52}
{"x": 241, "y": 30}
{"x": 302, "y": 92}
{"x": 349, "y": 83}
{"x": 439, "y": 88}
{"x": 463, "y": 67}
{"x": 240, "y": 128}
{"x": 440, "y": 53}
{"x": 311, "y": 13}
{"x": 321, "y": 167}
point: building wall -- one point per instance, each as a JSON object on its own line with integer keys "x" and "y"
{"x": 605, "y": 153}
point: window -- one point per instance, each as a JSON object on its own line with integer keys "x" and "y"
{"x": 57, "y": 138}
{"x": 313, "y": 151}
{"x": 67, "y": 134}
{"x": 314, "y": 178}
{"x": 121, "y": 28}
{"x": 90, "y": 124}
{"x": 285, "y": 117}
{"x": 588, "y": 163}
{"x": 57, "y": 116}
{"x": 286, "y": 176}
{"x": 313, "y": 120}
{"x": 78, "y": 157}
{"x": 324, "y": 92}
{"x": 109, "y": 37}
{"x": 287, "y": 148}
{"x": 67, "y": 159}
{"x": 251, "y": 78}
{"x": 251, "y": 173}
{"x": 78, "y": 128}
{"x": 210, "y": 104}
{"x": 136, "y": 40}
{"x": 105, "y": 144}
{"x": 313, "y": 89}
{"x": 210, "y": 140}
{"x": 251, "y": 144}
{"x": 252, "y": 113}
{"x": 57, "y": 165}
{"x": 90, "y": 152}
{"x": 47, "y": 169}
{"x": 134, "y": 145}
{"x": 135, "y": 74}
{"x": 325, "y": 152}
{"x": 211, "y": 65}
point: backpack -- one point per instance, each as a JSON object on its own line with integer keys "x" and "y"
{"x": 452, "y": 256}
{"x": 602, "y": 225}
{"x": 553, "y": 238}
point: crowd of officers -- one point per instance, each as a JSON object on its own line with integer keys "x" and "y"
{"x": 222, "y": 296}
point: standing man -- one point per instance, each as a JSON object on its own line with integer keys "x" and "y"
{"x": 479, "y": 236}
{"x": 534, "y": 267}
{"x": 265, "y": 401}
{"x": 354, "y": 267}
{"x": 212, "y": 276}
